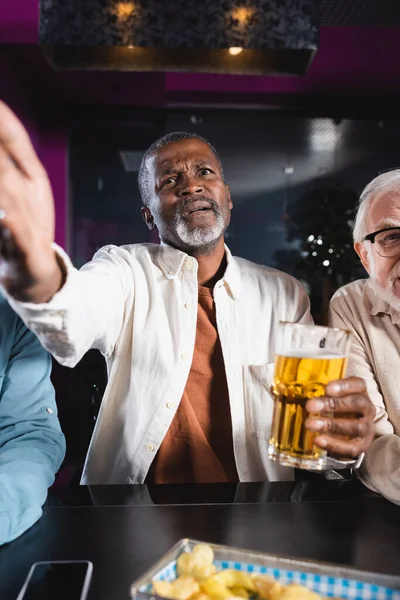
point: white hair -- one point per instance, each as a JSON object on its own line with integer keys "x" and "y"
{"x": 385, "y": 182}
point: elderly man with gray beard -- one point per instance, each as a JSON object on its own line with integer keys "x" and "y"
{"x": 188, "y": 331}
{"x": 370, "y": 308}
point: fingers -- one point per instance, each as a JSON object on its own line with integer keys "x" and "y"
{"x": 343, "y": 419}
{"x": 15, "y": 143}
{"x": 349, "y": 385}
{"x": 355, "y": 404}
{"x": 353, "y": 427}
{"x": 345, "y": 396}
{"x": 342, "y": 449}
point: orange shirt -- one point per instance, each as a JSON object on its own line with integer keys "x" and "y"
{"x": 198, "y": 447}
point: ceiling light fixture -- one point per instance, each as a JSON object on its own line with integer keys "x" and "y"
{"x": 275, "y": 40}
{"x": 124, "y": 10}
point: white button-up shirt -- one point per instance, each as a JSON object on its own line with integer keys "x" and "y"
{"x": 138, "y": 305}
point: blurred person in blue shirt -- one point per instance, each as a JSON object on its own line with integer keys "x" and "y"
{"x": 32, "y": 445}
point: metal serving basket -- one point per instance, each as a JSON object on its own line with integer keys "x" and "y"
{"x": 326, "y": 579}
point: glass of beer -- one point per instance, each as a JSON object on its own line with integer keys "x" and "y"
{"x": 307, "y": 358}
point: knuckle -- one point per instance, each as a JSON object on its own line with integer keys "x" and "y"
{"x": 329, "y": 426}
{"x": 362, "y": 428}
{"x": 333, "y": 426}
{"x": 360, "y": 402}
{"x": 357, "y": 383}
{"x": 332, "y": 403}
{"x": 354, "y": 450}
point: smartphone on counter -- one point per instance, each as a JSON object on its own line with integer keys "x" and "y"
{"x": 60, "y": 580}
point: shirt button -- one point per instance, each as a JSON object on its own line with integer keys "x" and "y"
{"x": 149, "y": 447}
{"x": 171, "y": 272}
{"x": 183, "y": 356}
{"x": 187, "y": 305}
{"x": 49, "y": 410}
{"x": 169, "y": 405}
{"x": 189, "y": 263}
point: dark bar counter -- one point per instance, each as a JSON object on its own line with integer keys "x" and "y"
{"x": 123, "y": 530}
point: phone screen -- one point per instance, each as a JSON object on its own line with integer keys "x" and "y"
{"x": 64, "y": 580}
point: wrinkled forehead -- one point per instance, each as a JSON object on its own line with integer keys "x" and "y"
{"x": 181, "y": 155}
{"x": 384, "y": 211}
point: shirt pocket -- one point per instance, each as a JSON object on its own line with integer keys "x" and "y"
{"x": 258, "y": 399}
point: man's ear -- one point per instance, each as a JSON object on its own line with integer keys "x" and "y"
{"x": 228, "y": 191}
{"x": 148, "y": 217}
{"x": 362, "y": 252}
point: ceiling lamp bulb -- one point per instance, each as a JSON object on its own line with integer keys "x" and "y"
{"x": 234, "y": 50}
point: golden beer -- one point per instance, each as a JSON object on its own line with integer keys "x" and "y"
{"x": 296, "y": 379}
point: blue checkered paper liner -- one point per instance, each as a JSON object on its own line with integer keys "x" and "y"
{"x": 326, "y": 585}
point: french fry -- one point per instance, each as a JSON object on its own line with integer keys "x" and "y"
{"x": 199, "y": 596}
{"x": 232, "y": 578}
{"x": 203, "y": 554}
{"x": 264, "y": 584}
{"x": 199, "y": 580}
{"x": 180, "y": 589}
{"x": 215, "y": 589}
{"x": 239, "y": 592}
{"x": 184, "y": 587}
{"x": 294, "y": 591}
{"x": 185, "y": 564}
{"x": 202, "y": 572}
{"x": 162, "y": 588}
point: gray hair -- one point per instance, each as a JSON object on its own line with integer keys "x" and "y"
{"x": 144, "y": 174}
{"x": 385, "y": 182}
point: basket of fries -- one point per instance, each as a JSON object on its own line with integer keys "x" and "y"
{"x": 193, "y": 570}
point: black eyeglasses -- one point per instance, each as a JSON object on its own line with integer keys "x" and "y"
{"x": 387, "y": 241}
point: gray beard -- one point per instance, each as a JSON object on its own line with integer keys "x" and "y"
{"x": 200, "y": 237}
{"x": 385, "y": 294}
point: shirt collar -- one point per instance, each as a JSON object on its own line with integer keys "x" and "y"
{"x": 231, "y": 276}
{"x": 172, "y": 261}
{"x": 374, "y": 304}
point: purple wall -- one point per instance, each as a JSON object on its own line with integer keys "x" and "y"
{"x": 19, "y": 21}
{"x": 356, "y": 59}
{"x": 50, "y": 144}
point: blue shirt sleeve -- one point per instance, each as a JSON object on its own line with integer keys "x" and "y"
{"x": 32, "y": 445}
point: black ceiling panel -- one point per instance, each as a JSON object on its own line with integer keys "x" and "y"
{"x": 367, "y": 13}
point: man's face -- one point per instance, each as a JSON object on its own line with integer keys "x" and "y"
{"x": 384, "y": 272}
{"x": 190, "y": 203}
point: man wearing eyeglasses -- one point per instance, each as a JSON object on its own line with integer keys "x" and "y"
{"x": 370, "y": 308}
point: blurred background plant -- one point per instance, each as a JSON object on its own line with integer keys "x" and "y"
{"x": 321, "y": 222}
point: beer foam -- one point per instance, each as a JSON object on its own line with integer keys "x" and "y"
{"x": 321, "y": 355}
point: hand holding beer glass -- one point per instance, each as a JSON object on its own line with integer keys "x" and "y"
{"x": 308, "y": 357}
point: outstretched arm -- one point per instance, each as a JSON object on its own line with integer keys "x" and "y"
{"x": 29, "y": 267}
{"x": 70, "y": 311}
